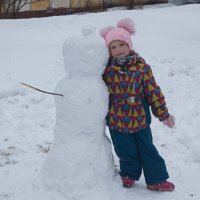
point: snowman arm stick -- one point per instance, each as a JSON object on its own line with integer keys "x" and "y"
{"x": 40, "y": 90}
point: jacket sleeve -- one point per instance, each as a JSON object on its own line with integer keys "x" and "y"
{"x": 154, "y": 95}
{"x": 106, "y": 71}
{"x": 104, "y": 77}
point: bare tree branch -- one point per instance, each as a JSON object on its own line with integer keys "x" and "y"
{"x": 26, "y": 2}
{"x": 14, "y": 6}
{"x": 1, "y": 6}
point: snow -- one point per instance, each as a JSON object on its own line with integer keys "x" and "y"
{"x": 31, "y": 52}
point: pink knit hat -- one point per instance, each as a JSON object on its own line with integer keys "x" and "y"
{"x": 123, "y": 31}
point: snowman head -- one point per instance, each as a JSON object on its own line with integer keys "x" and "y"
{"x": 85, "y": 55}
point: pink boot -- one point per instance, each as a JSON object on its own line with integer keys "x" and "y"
{"x": 162, "y": 186}
{"x": 127, "y": 181}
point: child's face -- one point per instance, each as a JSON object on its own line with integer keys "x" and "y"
{"x": 119, "y": 49}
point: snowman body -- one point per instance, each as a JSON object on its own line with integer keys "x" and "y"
{"x": 80, "y": 162}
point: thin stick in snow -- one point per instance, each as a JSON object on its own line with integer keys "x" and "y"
{"x": 40, "y": 90}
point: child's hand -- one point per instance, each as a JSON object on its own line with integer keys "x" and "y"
{"x": 170, "y": 121}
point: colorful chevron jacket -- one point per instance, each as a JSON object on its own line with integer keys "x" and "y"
{"x": 132, "y": 90}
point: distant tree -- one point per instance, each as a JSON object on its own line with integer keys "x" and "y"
{"x": 131, "y": 4}
{"x": 51, "y": 4}
{"x": 104, "y": 5}
{"x": 87, "y": 4}
{"x": 107, "y": 3}
{"x": 1, "y": 6}
{"x": 12, "y": 7}
{"x": 135, "y": 3}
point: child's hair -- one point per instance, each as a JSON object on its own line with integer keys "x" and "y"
{"x": 123, "y": 31}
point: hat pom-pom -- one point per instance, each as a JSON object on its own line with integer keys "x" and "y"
{"x": 104, "y": 31}
{"x": 127, "y": 24}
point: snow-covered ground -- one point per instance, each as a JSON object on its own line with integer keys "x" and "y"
{"x": 31, "y": 52}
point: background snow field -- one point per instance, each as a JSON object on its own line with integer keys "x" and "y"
{"x": 31, "y": 52}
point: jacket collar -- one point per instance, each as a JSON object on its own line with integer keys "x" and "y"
{"x": 126, "y": 62}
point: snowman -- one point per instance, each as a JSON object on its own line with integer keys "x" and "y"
{"x": 80, "y": 163}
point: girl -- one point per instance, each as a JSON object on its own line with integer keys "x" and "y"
{"x": 133, "y": 90}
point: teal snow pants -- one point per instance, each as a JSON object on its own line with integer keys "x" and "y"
{"x": 136, "y": 152}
